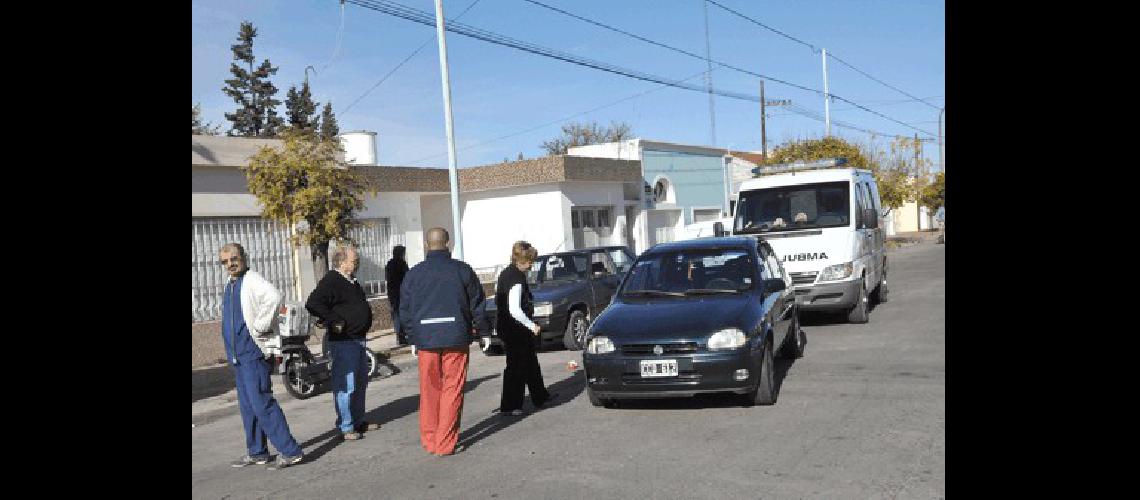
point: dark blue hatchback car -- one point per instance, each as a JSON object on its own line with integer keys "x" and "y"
{"x": 691, "y": 317}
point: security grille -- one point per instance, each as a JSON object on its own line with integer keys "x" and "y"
{"x": 266, "y": 244}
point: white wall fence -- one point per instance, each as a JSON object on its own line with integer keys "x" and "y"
{"x": 374, "y": 241}
{"x": 266, "y": 244}
{"x": 269, "y": 251}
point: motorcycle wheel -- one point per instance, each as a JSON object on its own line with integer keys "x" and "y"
{"x": 294, "y": 385}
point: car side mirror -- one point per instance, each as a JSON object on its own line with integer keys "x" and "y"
{"x": 774, "y": 285}
{"x": 870, "y": 218}
{"x": 718, "y": 229}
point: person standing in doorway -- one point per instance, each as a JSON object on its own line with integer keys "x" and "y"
{"x": 394, "y": 272}
{"x": 516, "y": 326}
{"x": 440, "y": 300}
{"x": 249, "y": 308}
{"x": 339, "y": 301}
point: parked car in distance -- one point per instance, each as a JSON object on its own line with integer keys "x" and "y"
{"x": 697, "y": 316}
{"x": 570, "y": 289}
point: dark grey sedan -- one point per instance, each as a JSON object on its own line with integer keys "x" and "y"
{"x": 692, "y": 317}
{"x": 570, "y": 289}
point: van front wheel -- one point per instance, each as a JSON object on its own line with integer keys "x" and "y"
{"x": 858, "y": 312}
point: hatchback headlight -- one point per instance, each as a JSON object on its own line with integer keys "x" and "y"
{"x": 836, "y": 272}
{"x": 543, "y": 309}
{"x": 729, "y": 338}
{"x": 599, "y": 345}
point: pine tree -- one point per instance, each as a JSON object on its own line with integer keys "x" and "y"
{"x": 251, "y": 89}
{"x": 329, "y": 128}
{"x": 301, "y": 109}
{"x": 202, "y": 128}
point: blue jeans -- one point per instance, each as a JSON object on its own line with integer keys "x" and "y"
{"x": 261, "y": 416}
{"x": 349, "y": 381}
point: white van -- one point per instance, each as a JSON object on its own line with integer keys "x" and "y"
{"x": 825, "y": 223}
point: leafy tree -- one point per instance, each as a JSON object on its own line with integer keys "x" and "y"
{"x": 199, "y": 128}
{"x": 301, "y": 109}
{"x": 584, "y": 134}
{"x": 251, "y": 89}
{"x": 892, "y": 172}
{"x": 329, "y": 128}
{"x": 934, "y": 195}
{"x": 305, "y": 183}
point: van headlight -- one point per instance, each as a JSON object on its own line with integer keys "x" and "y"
{"x": 836, "y": 272}
{"x": 543, "y": 309}
{"x": 729, "y": 338}
{"x": 599, "y": 345}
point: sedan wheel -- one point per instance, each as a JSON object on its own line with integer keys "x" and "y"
{"x": 576, "y": 327}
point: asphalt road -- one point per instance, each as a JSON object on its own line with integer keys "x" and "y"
{"x": 861, "y": 415}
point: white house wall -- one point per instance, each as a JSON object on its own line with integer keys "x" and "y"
{"x": 596, "y": 194}
{"x": 403, "y": 211}
{"x": 493, "y": 220}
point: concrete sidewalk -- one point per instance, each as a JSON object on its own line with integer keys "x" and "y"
{"x": 214, "y": 394}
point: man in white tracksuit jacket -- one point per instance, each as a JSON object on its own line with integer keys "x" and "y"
{"x": 249, "y": 309}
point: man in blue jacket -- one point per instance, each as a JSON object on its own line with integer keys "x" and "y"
{"x": 440, "y": 299}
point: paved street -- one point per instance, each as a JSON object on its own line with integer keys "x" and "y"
{"x": 861, "y": 415}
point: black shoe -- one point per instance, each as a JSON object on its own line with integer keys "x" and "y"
{"x": 550, "y": 397}
{"x": 512, "y": 413}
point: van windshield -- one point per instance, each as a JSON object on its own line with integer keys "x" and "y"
{"x": 805, "y": 206}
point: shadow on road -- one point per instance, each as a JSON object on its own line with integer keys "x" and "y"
{"x": 567, "y": 389}
{"x": 381, "y": 415}
{"x": 209, "y": 382}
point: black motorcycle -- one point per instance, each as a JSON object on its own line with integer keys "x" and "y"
{"x": 303, "y": 373}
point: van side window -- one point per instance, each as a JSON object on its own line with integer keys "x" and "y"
{"x": 860, "y": 204}
{"x": 875, "y": 197}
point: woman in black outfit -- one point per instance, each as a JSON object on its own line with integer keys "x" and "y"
{"x": 516, "y": 328}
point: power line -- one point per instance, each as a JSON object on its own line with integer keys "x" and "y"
{"x": 769, "y": 28}
{"x": 690, "y": 54}
{"x": 408, "y": 13}
{"x": 861, "y": 72}
{"x": 814, "y": 50}
{"x": 415, "y": 15}
{"x": 406, "y": 59}
{"x": 552, "y": 122}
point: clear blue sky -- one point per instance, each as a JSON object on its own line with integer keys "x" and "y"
{"x": 499, "y": 91}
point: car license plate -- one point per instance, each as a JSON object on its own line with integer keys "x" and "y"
{"x": 659, "y": 368}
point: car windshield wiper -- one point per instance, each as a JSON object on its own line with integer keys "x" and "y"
{"x": 657, "y": 293}
{"x": 708, "y": 291}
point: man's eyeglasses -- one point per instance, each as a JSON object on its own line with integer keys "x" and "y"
{"x": 231, "y": 259}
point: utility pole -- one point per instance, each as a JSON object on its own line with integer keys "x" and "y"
{"x": 763, "y": 133}
{"x": 763, "y": 116}
{"x": 941, "y": 166}
{"x": 453, "y": 174}
{"x": 917, "y": 173}
{"x": 708, "y": 78}
{"x": 826, "y": 99}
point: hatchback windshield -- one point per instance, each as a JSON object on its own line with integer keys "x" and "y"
{"x": 807, "y": 206}
{"x": 691, "y": 272}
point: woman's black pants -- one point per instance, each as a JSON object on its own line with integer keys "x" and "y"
{"x": 522, "y": 370}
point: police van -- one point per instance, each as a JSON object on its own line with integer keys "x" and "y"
{"x": 825, "y": 223}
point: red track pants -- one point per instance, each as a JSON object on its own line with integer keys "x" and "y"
{"x": 443, "y": 372}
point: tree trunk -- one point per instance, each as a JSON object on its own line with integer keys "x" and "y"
{"x": 320, "y": 260}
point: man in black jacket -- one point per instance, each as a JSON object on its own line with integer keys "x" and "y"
{"x": 439, "y": 300}
{"x": 338, "y": 300}
{"x": 394, "y": 273}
